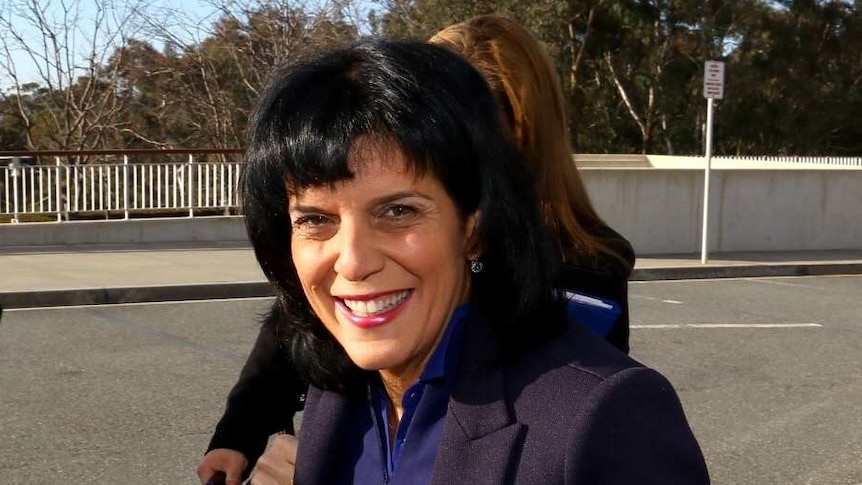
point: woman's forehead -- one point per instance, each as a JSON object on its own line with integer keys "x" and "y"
{"x": 376, "y": 182}
{"x": 370, "y": 158}
{"x": 386, "y": 152}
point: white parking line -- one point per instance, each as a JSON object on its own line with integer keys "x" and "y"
{"x": 728, "y": 325}
{"x": 651, "y": 298}
{"x": 767, "y": 281}
{"x": 741, "y": 278}
{"x": 142, "y": 303}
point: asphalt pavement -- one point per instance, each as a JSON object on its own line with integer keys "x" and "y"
{"x": 43, "y": 276}
{"x": 765, "y": 366}
{"x": 767, "y": 370}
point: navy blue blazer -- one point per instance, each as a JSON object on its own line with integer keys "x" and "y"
{"x": 571, "y": 411}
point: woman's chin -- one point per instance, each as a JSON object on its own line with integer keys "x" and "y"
{"x": 374, "y": 361}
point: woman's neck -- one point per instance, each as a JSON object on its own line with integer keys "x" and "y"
{"x": 396, "y": 381}
{"x": 395, "y": 386}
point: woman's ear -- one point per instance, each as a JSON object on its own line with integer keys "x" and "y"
{"x": 475, "y": 246}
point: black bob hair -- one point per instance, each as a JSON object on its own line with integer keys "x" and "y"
{"x": 440, "y": 113}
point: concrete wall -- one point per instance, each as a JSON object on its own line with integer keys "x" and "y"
{"x": 156, "y": 231}
{"x": 660, "y": 210}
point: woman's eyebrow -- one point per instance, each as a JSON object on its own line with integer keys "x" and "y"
{"x": 400, "y": 195}
{"x": 382, "y": 200}
{"x": 306, "y": 209}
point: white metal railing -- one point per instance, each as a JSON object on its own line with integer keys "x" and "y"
{"x": 125, "y": 186}
{"x": 839, "y": 161}
{"x": 118, "y": 187}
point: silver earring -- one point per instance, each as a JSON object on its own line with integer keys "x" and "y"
{"x": 476, "y": 266}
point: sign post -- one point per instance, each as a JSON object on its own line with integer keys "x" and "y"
{"x": 713, "y": 88}
{"x": 15, "y": 168}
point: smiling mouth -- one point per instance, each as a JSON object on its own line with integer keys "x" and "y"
{"x": 376, "y": 306}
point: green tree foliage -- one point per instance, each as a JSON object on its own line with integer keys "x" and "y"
{"x": 795, "y": 81}
{"x": 631, "y": 70}
{"x": 13, "y": 129}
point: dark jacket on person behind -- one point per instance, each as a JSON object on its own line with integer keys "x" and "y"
{"x": 571, "y": 411}
{"x": 605, "y": 277}
{"x": 265, "y": 398}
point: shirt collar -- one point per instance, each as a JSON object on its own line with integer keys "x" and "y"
{"x": 443, "y": 360}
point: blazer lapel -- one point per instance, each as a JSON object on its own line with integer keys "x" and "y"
{"x": 325, "y": 413}
{"x": 481, "y": 440}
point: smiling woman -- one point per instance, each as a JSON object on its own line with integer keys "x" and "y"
{"x": 381, "y": 258}
{"x": 361, "y": 159}
{"x": 401, "y": 231}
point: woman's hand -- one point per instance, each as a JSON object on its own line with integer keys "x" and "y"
{"x": 230, "y": 462}
{"x": 277, "y": 464}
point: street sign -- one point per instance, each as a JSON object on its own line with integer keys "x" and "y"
{"x": 713, "y": 80}
{"x": 713, "y": 88}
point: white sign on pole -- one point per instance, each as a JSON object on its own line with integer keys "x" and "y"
{"x": 713, "y": 80}
{"x": 713, "y": 88}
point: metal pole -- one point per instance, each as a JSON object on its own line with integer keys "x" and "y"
{"x": 703, "y": 247}
{"x": 191, "y": 186}
{"x": 126, "y": 187}
{"x": 57, "y": 191}
{"x": 42, "y": 189}
{"x": 15, "y": 165}
{"x": 68, "y": 204}
{"x": 31, "y": 176}
{"x": 93, "y": 188}
{"x": 102, "y": 188}
{"x": 175, "y": 182}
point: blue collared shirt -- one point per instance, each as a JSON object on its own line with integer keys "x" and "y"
{"x": 409, "y": 459}
{"x": 373, "y": 460}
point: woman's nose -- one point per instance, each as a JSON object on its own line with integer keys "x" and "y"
{"x": 359, "y": 255}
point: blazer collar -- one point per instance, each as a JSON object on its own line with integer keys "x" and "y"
{"x": 325, "y": 414}
{"x": 481, "y": 438}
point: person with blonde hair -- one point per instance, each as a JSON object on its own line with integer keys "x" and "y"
{"x": 598, "y": 260}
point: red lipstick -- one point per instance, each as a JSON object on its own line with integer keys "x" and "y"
{"x": 376, "y": 320}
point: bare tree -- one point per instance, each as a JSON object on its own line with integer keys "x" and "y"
{"x": 221, "y": 75}
{"x": 74, "y": 90}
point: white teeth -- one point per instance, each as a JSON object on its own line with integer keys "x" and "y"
{"x": 372, "y": 307}
{"x": 362, "y": 307}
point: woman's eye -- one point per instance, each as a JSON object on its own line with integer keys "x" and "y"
{"x": 310, "y": 221}
{"x": 399, "y": 211}
{"x": 313, "y": 226}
